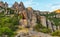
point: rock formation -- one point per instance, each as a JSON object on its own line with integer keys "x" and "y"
{"x": 1, "y": 4}
{"x": 4, "y": 5}
{"x": 21, "y": 6}
{"x": 43, "y": 20}
{"x": 15, "y": 6}
{"x": 30, "y": 17}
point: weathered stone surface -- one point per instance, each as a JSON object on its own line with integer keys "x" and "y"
{"x": 43, "y": 20}
{"x": 15, "y": 5}
{"x": 28, "y": 15}
{"x": 6, "y": 5}
{"x": 24, "y": 14}
{"x": 1, "y": 4}
{"x": 33, "y": 34}
{"x": 33, "y": 22}
{"x": 23, "y": 22}
{"x": 21, "y": 6}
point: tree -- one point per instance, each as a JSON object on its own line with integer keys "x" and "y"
{"x": 7, "y": 25}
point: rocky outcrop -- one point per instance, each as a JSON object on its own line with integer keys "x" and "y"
{"x": 15, "y": 6}
{"x": 21, "y": 6}
{"x": 1, "y": 4}
{"x": 4, "y": 5}
{"x": 29, "y": 17}
{"x": 33, "y": 34}
{"x": 43, "y": 20}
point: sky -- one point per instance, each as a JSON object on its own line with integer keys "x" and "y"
{"x": 42, "y": 5}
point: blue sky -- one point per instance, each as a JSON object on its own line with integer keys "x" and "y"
{"x": 42, "y": 5}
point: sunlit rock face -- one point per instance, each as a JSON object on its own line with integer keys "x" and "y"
{"x": 43, "y": 20}
{"x": 24, "y": 14}
{"x": 28, "y": 17}
{"x": 57, "y": 11}
{"x": 29, "y": 12}
{"x": 33, "y": 22}
{"x": 31, "y": 16}
{"x": 23, "y": 22}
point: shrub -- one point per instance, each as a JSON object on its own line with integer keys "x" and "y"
{"x": 45, "y": 30}
{"x": 41, "y": 28}
{"x": 56, "y": 33}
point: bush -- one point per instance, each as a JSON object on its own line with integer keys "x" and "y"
{"x": 56, "y": 33}
{"x": 41, "y": 28}
{"x": 45, "y": 30}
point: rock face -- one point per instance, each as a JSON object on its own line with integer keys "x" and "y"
{"x": 15, "y": 5}
{"x": 18, "y": 6}
{"x": 3, "y": 4}
{"x": 43, "y": 20}
{"x": 21, "y": 6}
{"x": 33, "y": 34}
{"x": 6, "y": 5}
{"x": 28, "y": 16}
{"x": 31, "y": 16}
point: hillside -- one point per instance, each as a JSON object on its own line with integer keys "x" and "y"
{"x": 18, "y": 21}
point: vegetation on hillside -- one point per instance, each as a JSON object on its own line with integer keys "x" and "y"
{"x": 8, "y": 24}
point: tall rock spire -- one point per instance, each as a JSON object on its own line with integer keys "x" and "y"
{"x": 21, "y": 6}
{"x": 15, "y": 5}
{"x": 6, "y": 5}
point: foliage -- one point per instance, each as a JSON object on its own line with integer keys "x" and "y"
{"x": 56, "y": 33}
{"x": 8, "y": 25}
{"x": 41, "y": 28}
{"x": 45, "y": 30}
{"x": 37, "y": 27}
{"x": 52, "y": 17}
{"x": 6, "y": 31}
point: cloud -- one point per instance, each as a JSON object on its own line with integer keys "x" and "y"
{"x": 56, "y": 3}
{"x": 31, "y": 3}
{"x": 53, "y": 6}
{"x": 38, "y": 5}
